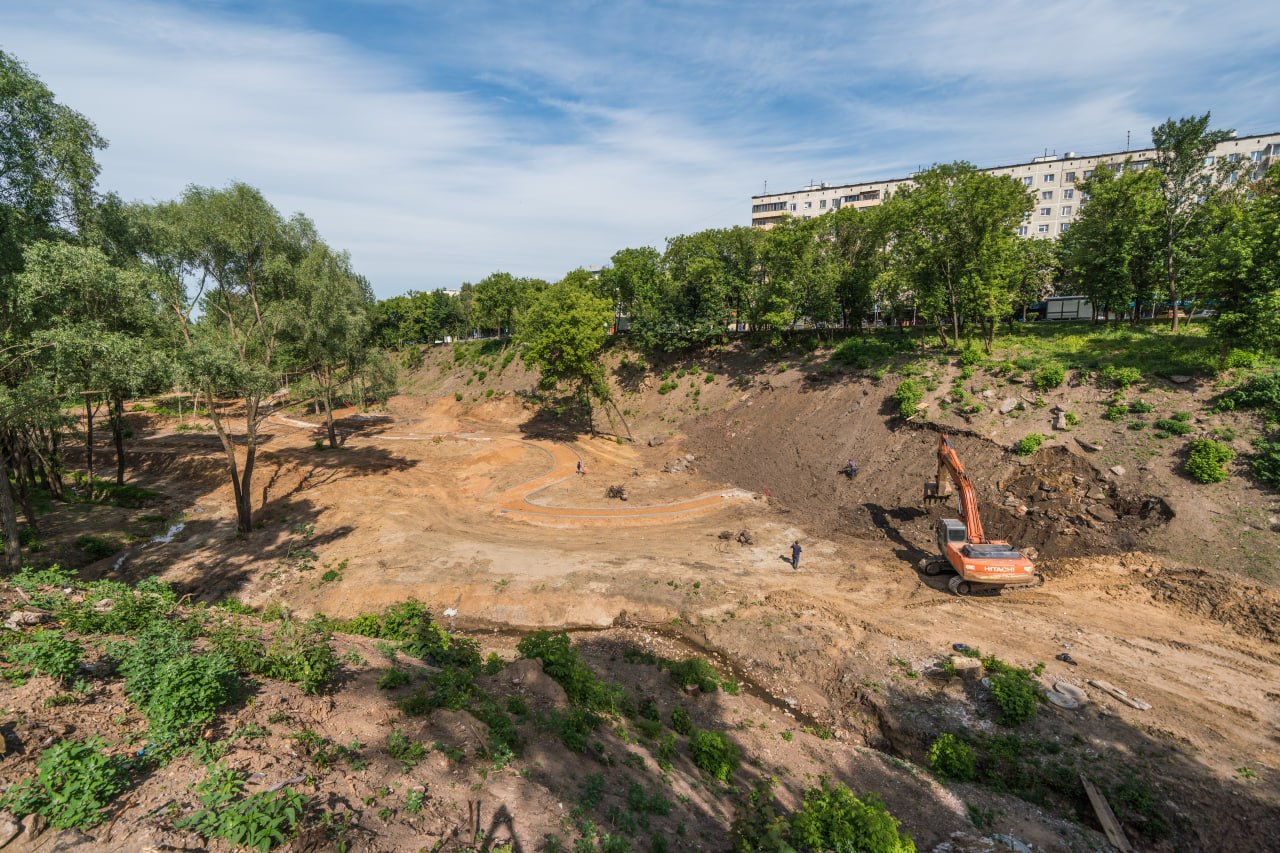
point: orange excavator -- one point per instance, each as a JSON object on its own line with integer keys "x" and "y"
{"x": 978, "y": 562}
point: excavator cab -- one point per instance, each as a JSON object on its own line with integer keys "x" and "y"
{"x": 951, "y": 530}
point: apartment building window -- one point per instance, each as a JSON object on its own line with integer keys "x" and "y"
{"x": 835, "y": 204}
{"x": 808, "y": 204}
{"x": 1066, "y": 210}
{"x": 1088, "y": 173}
{"x": 1026, "y": 182}
{"x": 1047, "y": 195}
{"x": 1069, "y": 178}
{"x": 1048, "y": 179}
{"x": 1062, "y": 229}
{"x": 1068, "y": 193}
{"x": 823, "y": 204}
{"x": 1233, "y": 158}
{"x": 1045, "y": 211}
{"x": 1256, "y": 156}
{"x": 770, "y": 206}
{"x": 850, "y": 199}
{"x": 1209, "y": 161}
{"x": 1043, "y": 229}
{"x": 1022, "y": 230}
{"x": 793, "y": 205}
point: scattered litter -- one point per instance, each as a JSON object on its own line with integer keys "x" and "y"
{"x": 1067, "y": 659}
{"x": 451, "y": 612}
{"x": 961, "y": 647}
{"x": 1119, "y": 694}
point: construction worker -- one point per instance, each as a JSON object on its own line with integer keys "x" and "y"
{"x": 851, "y": 470}
{"x": 795, "y": 554}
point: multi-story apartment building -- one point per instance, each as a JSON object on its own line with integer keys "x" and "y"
{"x": 1050, "y": 180}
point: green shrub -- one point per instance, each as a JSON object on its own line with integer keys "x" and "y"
{"x": 398, "y": 622}
{"x": 681, "y": 722}
{"x": 713, "y": 753}
{"x": 1029, "y": 444}
{"x": 1173, "y": 426}
{"x": 48, "y": 653}
{"x": 1048, "y": 375}
{"x": 970, "y": 357}
{"x": 1240, "y": 358}
{"x": 98, "y": 547}
{"x": 177, "y": 691}
{"x": 75, "y": 780}
{"x": 560, "y": 661}
{"x": 261, "y": 821}
{"x": 1115, "y": 413}
{"x": 393, "y": 678}
{"x": 695, "y": 672}
{"x": 832, "y": 818}
{"x": 951, "y": 758}
{"x": 1265, "y": 462}
{"x": 1015, "y": 694}
{"x": 1207, "y": 460}
{"x": 1072, "y": 419}
{"x": 1120, "y": 377}
{"x": 908, "y": 395}
{"x": 301, "y": 653}
{"x": 407, "y": 752}
{"x": 1141, "y": 407}
{"x": 1260, "y": 392}
{"x": 438, "y": 647}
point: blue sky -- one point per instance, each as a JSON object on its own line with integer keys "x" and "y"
{"x": 441, "y": 141}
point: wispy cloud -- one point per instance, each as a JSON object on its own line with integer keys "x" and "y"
{"x": 439, "y": 142}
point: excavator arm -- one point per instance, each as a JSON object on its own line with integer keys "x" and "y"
{"x": 951, "y": 470}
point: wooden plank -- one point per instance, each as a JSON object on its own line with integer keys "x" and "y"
{"x": 1106, "y": 817}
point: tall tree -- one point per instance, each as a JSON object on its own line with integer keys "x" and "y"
{"x": 566, "y": 329}
{"x": 1187, "y": 179}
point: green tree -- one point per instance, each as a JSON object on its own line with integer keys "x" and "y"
{"x": 501, "y": 298}
{"x": 631, "y": 271}
{"x": 1112, "y": 254}
{"x": 564, "y": 333}
{"x": 1183, "y": 148}
{"x": 859, "y": 238}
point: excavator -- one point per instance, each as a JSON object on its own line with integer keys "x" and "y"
{"x": 978, "y": 562}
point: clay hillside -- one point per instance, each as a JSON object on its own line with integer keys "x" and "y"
{"x": 475, "y": 625}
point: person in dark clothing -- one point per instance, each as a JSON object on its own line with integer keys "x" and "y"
{"x": 795, "y": 555}
{"x": 851, "y": 470}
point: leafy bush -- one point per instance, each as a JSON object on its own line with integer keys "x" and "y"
{"x": 908, "y": 396}
{"x": 48, "y": 653}
{"x": 301, "y": 654}
{"x": 1258, "y": 392}
{"x": 863, "y": 353}
{"x": 177, "y": 691}
{"x": 681, "y": 722}
{"x": 98, "y": 547}
{"x": 445, "y": 688}
{"x": 560, "y": 661}
{"x": 1048, "y": 375}
{"x": 261, "y": 821}
{"x": 407, "y": 752}
{"x": 1207, "y": 460}
{"x": 1174, "y": 425}
{"x": 696, "y": 672}
{"x": 832, "y": 818}
{"x": 1240, "y": 358}
{"x": 436, "y": 646}
{"x": 1265, "y": 462}
{"x": 951, "y": 758}
{"x": 116, "y": 608}
{"x": 1141, "y": 407}
{"x": 392, "y": 679}
{"x": 713, "y": 753}
{"x": 1015, "y": 694}
{"x": 1029, "y": 444}
{"x": 1120, "y": 377}
{"x": 1115, "y": 413}
{"x": 75, "y": 780}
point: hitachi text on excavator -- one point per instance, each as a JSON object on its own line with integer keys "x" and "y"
{"x": 978, "y": 562}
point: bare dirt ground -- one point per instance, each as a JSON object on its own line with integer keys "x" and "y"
{"x": 443, "y": 501}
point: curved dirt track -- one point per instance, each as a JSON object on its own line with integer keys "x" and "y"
{"x": 517, "y": 501}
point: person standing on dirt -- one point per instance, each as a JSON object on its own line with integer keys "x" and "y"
{"x": 580, "y": 471}
{"x": 795, "y": 554}
{"x": 851, "y": 470}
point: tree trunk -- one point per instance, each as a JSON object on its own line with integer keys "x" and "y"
{"x": 1173, "y": 281}
{"x": 89, "y": 412}
{"x": 229, "y": 447}
{"x": 326, "y": 394}
{"x": 9, "y": 519}
{"x": 117, "y": 433}
{"x": 244, "y": 499}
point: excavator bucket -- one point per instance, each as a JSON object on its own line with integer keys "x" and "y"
{"x": 931, "y": 493}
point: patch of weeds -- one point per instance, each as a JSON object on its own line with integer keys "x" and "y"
{"x": 1116, "y": 413}
{"x": 414, "y": 801}
{"x": 1179, "y": 424}
{"x": 1014, "y": 691}
{"x": 393, "y": 678}
{"x": 1028, "y": 444}
{"x": 951, "y": 758}
{"x": 177, "y": 690}
{"x": 354, "y": 658}
{"x": 714, "y": 754}
{"x": 407, "y": 752}
{"x": 48, "y": 653}
{"x": 695, "y": 672}
{"x": 1141, "y": 407}
{"x": 908, "y": 396}
{"x": 260, "y": 821}
{"x": 681, "y": 722}
{"x": 1207, "y": 460}
{"x": 820, "y": 732}
{"x": 666, "y": 752}
{"x": 1048, "y": 375}
{"x": 561, "y": 662}
{"x": 1120, "y": 377}
{"x": 75, "y": 781}
{"x": 981, "y": 817}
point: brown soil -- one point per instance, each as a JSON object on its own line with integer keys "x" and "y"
{"x": 433, "y": 503}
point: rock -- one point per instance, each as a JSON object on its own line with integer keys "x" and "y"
{"x": 657, "y": 441}
{"x": 8, "y": 830}
{"x": 1097, "y": 493}
{"x": 745, "y": 537}
{"x": 617, "y": 492}
{"x": 969, "y": 669}
{"x": 1102, "y": 512}
{"x": 1009, "y": 404}
{"x": 1021, "y": 511}
{"x": 1118, "y": 470}
{"x": 20, "y": 618}
{"x": 1179, "y": 380}
{"x": 1275, "y": 523}
{"x": 32, "y": 825}
{"x": 1060, "y": 420}
{"x": 988, "y": 394}
{"x": 1077, "y": 479}
{"x": 726, "y": 535}
{"x": 1089, "y": 445}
